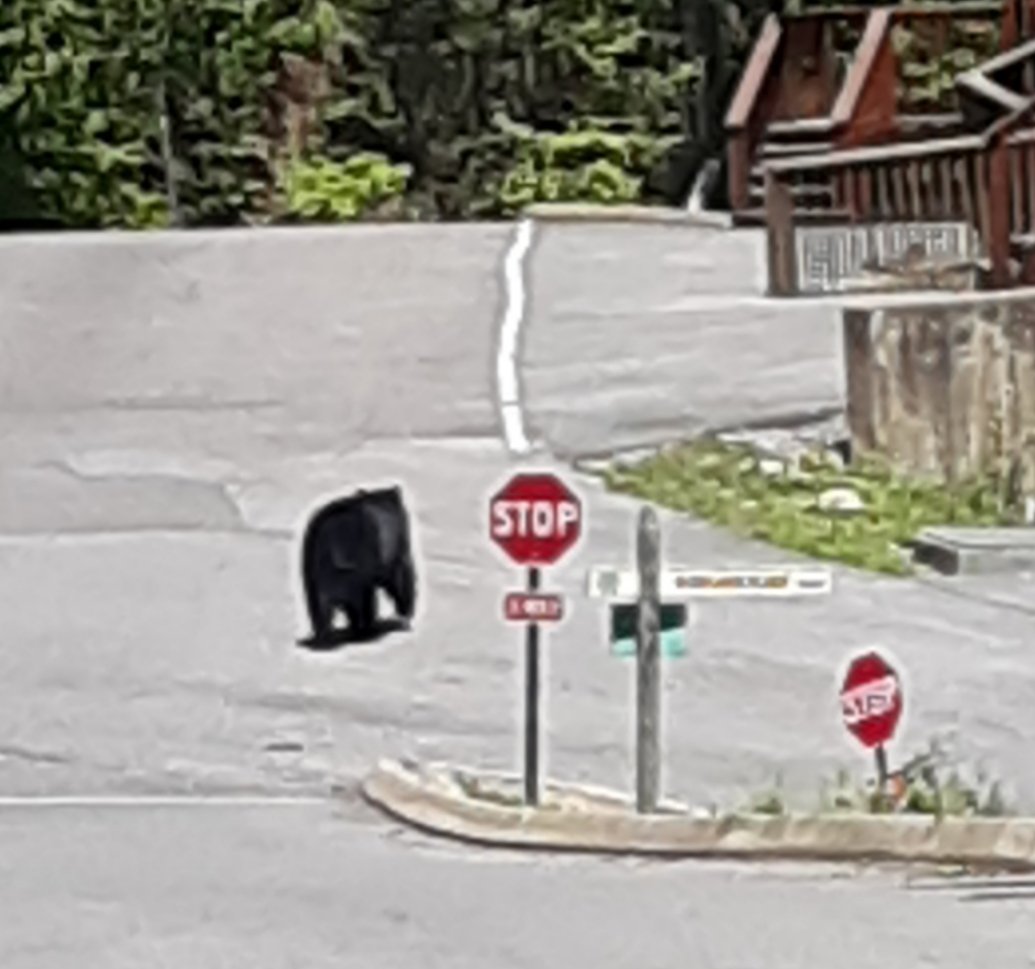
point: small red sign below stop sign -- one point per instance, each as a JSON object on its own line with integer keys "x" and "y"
{"x": 871, "y": 699}
{"x": 535, "y": 518}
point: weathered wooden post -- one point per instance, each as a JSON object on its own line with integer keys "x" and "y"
{"x": 779, "y": 230}
{"x": 648, "y": 663}
{"x": 996, "y": 169}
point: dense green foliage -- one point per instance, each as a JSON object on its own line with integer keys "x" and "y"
{"x": 143, "y": 112}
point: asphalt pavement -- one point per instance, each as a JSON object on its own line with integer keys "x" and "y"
{"x": 171, "y": 407}
{"x": 315, "y": 887}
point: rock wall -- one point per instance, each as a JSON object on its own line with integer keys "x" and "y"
{"x": 945, "y": 389}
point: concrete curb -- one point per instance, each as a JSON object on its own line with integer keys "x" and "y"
{"x": 976, "y": 550}
{"x": 642, "y": 214}
{"x": 581, "y": 819}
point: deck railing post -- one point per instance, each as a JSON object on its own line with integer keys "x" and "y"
{"x": 998, "y": 189}
{"x": 781, "y": 249}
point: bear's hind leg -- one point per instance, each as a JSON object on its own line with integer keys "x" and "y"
{"x": 362, "y": 611}
{"x": 404, "y": 589}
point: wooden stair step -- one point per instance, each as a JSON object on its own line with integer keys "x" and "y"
{"x": 756, "y": 216}
{"x": 802, "y": 193}
{"x": 823, "y": 187}
{"x": 803, "y": 128}
{"x": 771, "y": 149}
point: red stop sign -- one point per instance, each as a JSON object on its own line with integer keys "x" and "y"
{"x": 535, "y": 518}
{"x": 871, "y": 699}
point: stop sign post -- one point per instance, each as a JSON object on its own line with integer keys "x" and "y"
{"x": 871, "y": 705}
{"x": 535, "y": 519}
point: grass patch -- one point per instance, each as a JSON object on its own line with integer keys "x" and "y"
{"x": 727, "y": 484}
{"x": 927, "y": 783}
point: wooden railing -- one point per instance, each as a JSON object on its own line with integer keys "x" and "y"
{"x": 986, "y": 180}
{"x": 865, "y": 105}
{"x": 1021, "y": 151}
{"x": 864, "y": 110}
{"x": 752, "y": 108}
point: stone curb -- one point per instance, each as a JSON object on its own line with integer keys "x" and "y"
{"x": 643, "y": 214}
{"x": 604, "y": 823}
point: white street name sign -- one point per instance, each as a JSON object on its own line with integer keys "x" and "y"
{"x": 682, "y": 583}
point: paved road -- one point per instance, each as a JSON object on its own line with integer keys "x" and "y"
{"x": 170, "y": 408}
{"x": 303, "y": 886}
{"x": 638, "y": 335}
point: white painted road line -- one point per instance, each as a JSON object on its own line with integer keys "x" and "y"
{"x": 156, "y": 801}
{"x": 510, "y": 332}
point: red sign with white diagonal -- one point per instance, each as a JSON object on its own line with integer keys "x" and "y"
{"x": 535, "y": 519}
{"x": 533, "y": 607}
{"x": 871, "y": 699}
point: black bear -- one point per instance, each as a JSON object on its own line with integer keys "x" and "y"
{"x": 352, "y": 547}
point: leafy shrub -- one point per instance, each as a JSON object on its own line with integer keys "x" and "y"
{"x": 580, "y": 166}
{"x": 321, "y": 190}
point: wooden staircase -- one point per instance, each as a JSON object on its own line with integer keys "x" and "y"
{"x": 790, "y": 139}
{"x": 797, "y": 98}
{"x": 859, "y": 160}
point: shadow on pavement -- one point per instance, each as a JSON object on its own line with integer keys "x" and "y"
{"x": 347, "y": 637}
{"x": 1003, "y": 889}
{"x": 1001, "y": 896}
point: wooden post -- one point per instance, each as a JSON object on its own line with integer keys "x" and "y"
{"x": 779, "y": 220}
{"x": 648, "y": 663}
{"x": 1010, "y": 25}
{"x": 999, "y": 189}
{"x": 997, "y": 192}
{"x": 738, "y": 170}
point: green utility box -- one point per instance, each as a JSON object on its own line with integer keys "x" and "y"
{"x": 672, "y": 634}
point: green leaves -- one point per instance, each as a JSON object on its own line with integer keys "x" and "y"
{"x": 928, "y": 73}
{"x": 321, "y": 190}
{"x": 576, "y": 166}
{"x": 727, "y": 485}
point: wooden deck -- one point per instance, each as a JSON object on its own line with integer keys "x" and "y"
{"x": 856, "y": 159}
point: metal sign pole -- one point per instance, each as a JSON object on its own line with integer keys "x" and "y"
{"x": 532, "y": 700}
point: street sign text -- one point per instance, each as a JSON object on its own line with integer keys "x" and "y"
{"x": 533, "y": 607}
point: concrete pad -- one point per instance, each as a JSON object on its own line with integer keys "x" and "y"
{"x": 976, "y": 551}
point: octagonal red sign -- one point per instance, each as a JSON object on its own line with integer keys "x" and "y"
{"x": 535, "y": 518}
{"x": 871, "y": 699}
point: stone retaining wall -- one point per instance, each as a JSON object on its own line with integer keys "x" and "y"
{"x": 945, "y": 388}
